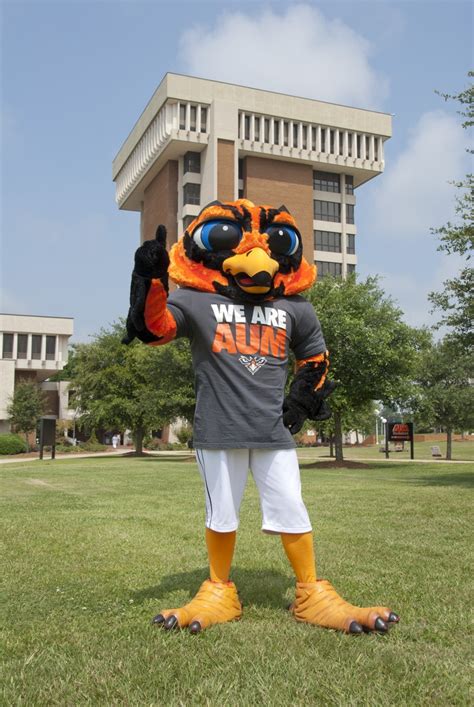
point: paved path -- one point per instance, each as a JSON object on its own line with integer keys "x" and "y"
{"x": 185, "y": 453}
{"x": 91, "y": 455}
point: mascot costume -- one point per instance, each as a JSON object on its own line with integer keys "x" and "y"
{"x": 240, "y": 270}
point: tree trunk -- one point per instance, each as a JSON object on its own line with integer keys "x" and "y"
{"x": 331, "y": 446}
{"x": 357, "y": 437}
{"x": 139, "y": 434}
{"x": 449, "y": 442}
{"x": 338, "y": 436}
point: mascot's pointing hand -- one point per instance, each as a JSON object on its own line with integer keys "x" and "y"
{"x": 151, "y": 262}
{"x": 152, "y": 259}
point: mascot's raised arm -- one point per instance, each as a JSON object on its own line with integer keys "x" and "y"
{"x": 240, "y": 269}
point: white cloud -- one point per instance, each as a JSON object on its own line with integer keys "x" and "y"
{"x": 415, "y": 193}
{"x": 299, "y": 51}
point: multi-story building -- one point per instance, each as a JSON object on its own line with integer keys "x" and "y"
{"x": 199, "y": 140}
{"x": 33, "y": 349}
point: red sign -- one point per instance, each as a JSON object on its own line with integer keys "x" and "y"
{"x": 400, "y": 431}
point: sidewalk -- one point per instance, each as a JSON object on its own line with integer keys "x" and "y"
{"x": 90, "y": 455}
{"x": 187, "y": 453}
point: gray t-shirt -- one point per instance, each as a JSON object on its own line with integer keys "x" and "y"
{"x": 240, "y": 356}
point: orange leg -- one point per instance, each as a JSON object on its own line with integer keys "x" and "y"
{"x": 318, "y": 603}
{"x": 217, "y": 600}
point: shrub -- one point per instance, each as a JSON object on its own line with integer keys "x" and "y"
{"x": 12, "y": 444}
{"x": 185, "y": 433}
{"x": 93, "y": 446}
{"x": 66, "y": 449}
{"x": 157, "y": 445}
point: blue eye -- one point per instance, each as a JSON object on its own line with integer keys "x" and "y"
{"x": 218, "y": 235}
{"x": 283, "y": 240}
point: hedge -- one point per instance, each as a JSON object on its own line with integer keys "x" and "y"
{"x": 12, "y": 444}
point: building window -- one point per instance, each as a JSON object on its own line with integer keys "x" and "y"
{"x": 256, "y": 128}
{"x": 326, "y": 181}
{"x": 313, "y": 138}
{"x": 295, "y": 134}
{"x": 192, "y": 194}
{"x": 7, "y": 346}
{"x": 50, "y": 348}
{"x": 324, "y": 268}
{"x": 351, "y": 249}
{"x": 351, "y": 268}
{"x": 349, "y": 213}
{"x": 203, "y": 119}
{"x": 331, "y": 137}
{"x": 193, "y": 118}
{"x": 247, "y": 127}
{"x": 359, "y": 143}
{"x": 349, "y": 145}
{"x": 182, "y": 116}
{"x": 22, "y": 346}
{"x": 187, "y": 221}
{"x": 241, "y": 194}
{"x": 36, "y": 346}
{"x": 327, "y": 211}
{"x": 323, "y": 139}
{"x": 266, "y": 137}
{"x": 328, "y": 241}
{"x": 341, "y": 144}
{"x": 192, "y": 162}
{"x": 286, "y": 130}
{"x": 276, "y": 132}
{"x": 349, "y": 184}
{"x": 305, "y": 137}
{"x": 241, "y": 169}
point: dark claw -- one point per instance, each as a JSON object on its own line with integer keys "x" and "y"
{"x": 393, "y": 618}
{"x": 195, "y": 627}
{"x": 380, "y": 625}
{"x": 171, "y": 622}
{"x": 159, "y": 620}
{"x": 355, "y": 627}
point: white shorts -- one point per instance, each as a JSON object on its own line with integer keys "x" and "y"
{"x": 277, "y": 476}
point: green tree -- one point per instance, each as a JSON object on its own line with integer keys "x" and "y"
{"x": 445, "y": 393}
{"x": 136, "y": 386}
{"x": 26, "y": 406}
{"x": 371, "y": 350}
{"x": 456, "y": 300}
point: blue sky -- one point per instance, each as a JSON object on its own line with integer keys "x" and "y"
{"x": 76, "y": 75}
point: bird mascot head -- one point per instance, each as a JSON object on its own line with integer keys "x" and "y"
{"x": 242, "y": 251}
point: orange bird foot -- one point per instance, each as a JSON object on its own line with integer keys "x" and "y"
{"x": 319, "y": 604}
{"x": 215, "y": 603}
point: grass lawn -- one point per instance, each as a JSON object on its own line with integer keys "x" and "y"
{"x": 95, "y": 547}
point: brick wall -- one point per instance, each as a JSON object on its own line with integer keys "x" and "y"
{"x": 225, "y": 170}
{"x": 160, "y": 204}
{"x": 275, "y": 182}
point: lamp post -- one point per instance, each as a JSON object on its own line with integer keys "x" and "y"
{"x": 384, "y": 422}
{"x": 377, "y": 415}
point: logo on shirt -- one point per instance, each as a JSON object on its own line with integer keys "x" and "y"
{"x": 253, "y": 363}
{"x": 258, "y": 333}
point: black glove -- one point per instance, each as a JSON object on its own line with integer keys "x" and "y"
{"x": 151, "y": 261}
{"x": 303, "y": 402}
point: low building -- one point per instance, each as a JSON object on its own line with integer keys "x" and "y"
{"x": 33, "y": 349}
